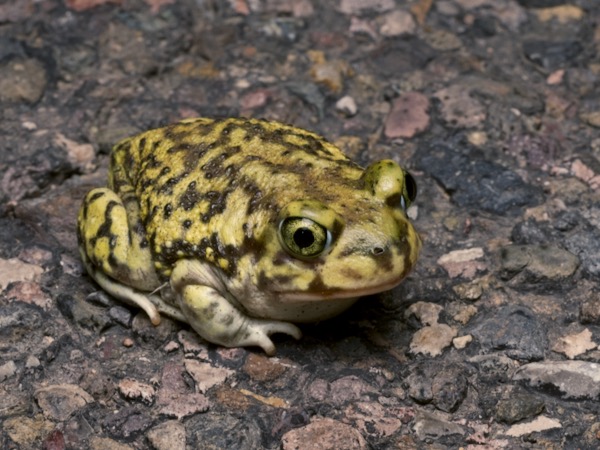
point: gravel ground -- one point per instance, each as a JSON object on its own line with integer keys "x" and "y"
{"x": 492, "y": 342}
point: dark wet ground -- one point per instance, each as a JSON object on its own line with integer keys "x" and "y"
{"x": 493, "y": 105}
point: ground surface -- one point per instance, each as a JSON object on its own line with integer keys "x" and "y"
{"x": 493, "y": 105}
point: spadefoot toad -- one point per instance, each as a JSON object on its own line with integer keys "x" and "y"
{"x": 240, "y": 227}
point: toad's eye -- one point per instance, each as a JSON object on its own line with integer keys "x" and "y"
{"x": 304, "y": 238}
{"x": 410, "y": 191}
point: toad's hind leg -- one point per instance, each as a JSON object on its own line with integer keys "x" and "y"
{"x": 114, "y": 249}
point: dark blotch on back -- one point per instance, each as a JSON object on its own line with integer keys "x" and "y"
{"x": 214, "y": 167}
{"x": 167, "y": 187}
{"x": 167, "y": 211}
{"x": 254, "y": 193}
{"x": 217, "y": 202}
{"x": 190, "y": 197}
{"x": 150, "y": 161}
{"x": 142, "y": 146}
{"x": 194, "y": 154}
{"x": 178, "y": 132}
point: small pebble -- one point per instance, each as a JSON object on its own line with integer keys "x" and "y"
{"x": 347, "y": 106}
{"x": 477, "y": 138}
{"x": 324, "y": 433}
{"x": 427, "y": 313}
{"x": 205, "y": 375}
{"x": 468, "y": 291}
{"x": 590, "y": 309}
{"x": 32, "y": 362}
{"x": 408, "y": 116}
{"x": 561, "y": 13}
{"x": 60, "y": 401}
{"x": 518, "y": 406}
{"x": 461, "y": 341}
{"x": 501, "y": 330}
{"x": 136, "y": 390}
{"x": 7, "y": 370}
{"x": 432, "y": 340}
{"x": 458, "y": 108}
{"x": 568, "y": 379}
{"x": 463, "y": 262}
{"x": 398, "y": 22}
{"x": 556, "y": 77}
{"x": 574, "y": 345}
{"x": 168, "y": 435}
{"x": 539, "y": 424}
{"x": 433, "y": 426}
{"x": 120, "y": 315}
{"x": 171, "y": 346}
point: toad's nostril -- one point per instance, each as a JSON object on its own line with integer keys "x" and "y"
{"x": 378, "y": 250}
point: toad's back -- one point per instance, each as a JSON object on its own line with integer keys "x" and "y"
{"x": 206, "y": 183}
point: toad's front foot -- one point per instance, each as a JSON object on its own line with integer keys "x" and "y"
{"x": 257, "y": 332}
{"x": 218, "y": 321}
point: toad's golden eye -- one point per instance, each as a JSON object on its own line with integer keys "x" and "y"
{"x": 304, "y": 238}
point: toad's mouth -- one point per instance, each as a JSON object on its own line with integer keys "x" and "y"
{"x": 319, "y": 291}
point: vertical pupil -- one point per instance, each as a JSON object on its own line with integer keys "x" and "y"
{"x": 303, "y": 237}
{"x": 411, "y": 186}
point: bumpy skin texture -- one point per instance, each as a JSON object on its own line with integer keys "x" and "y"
{"x": 241, "y": 226}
